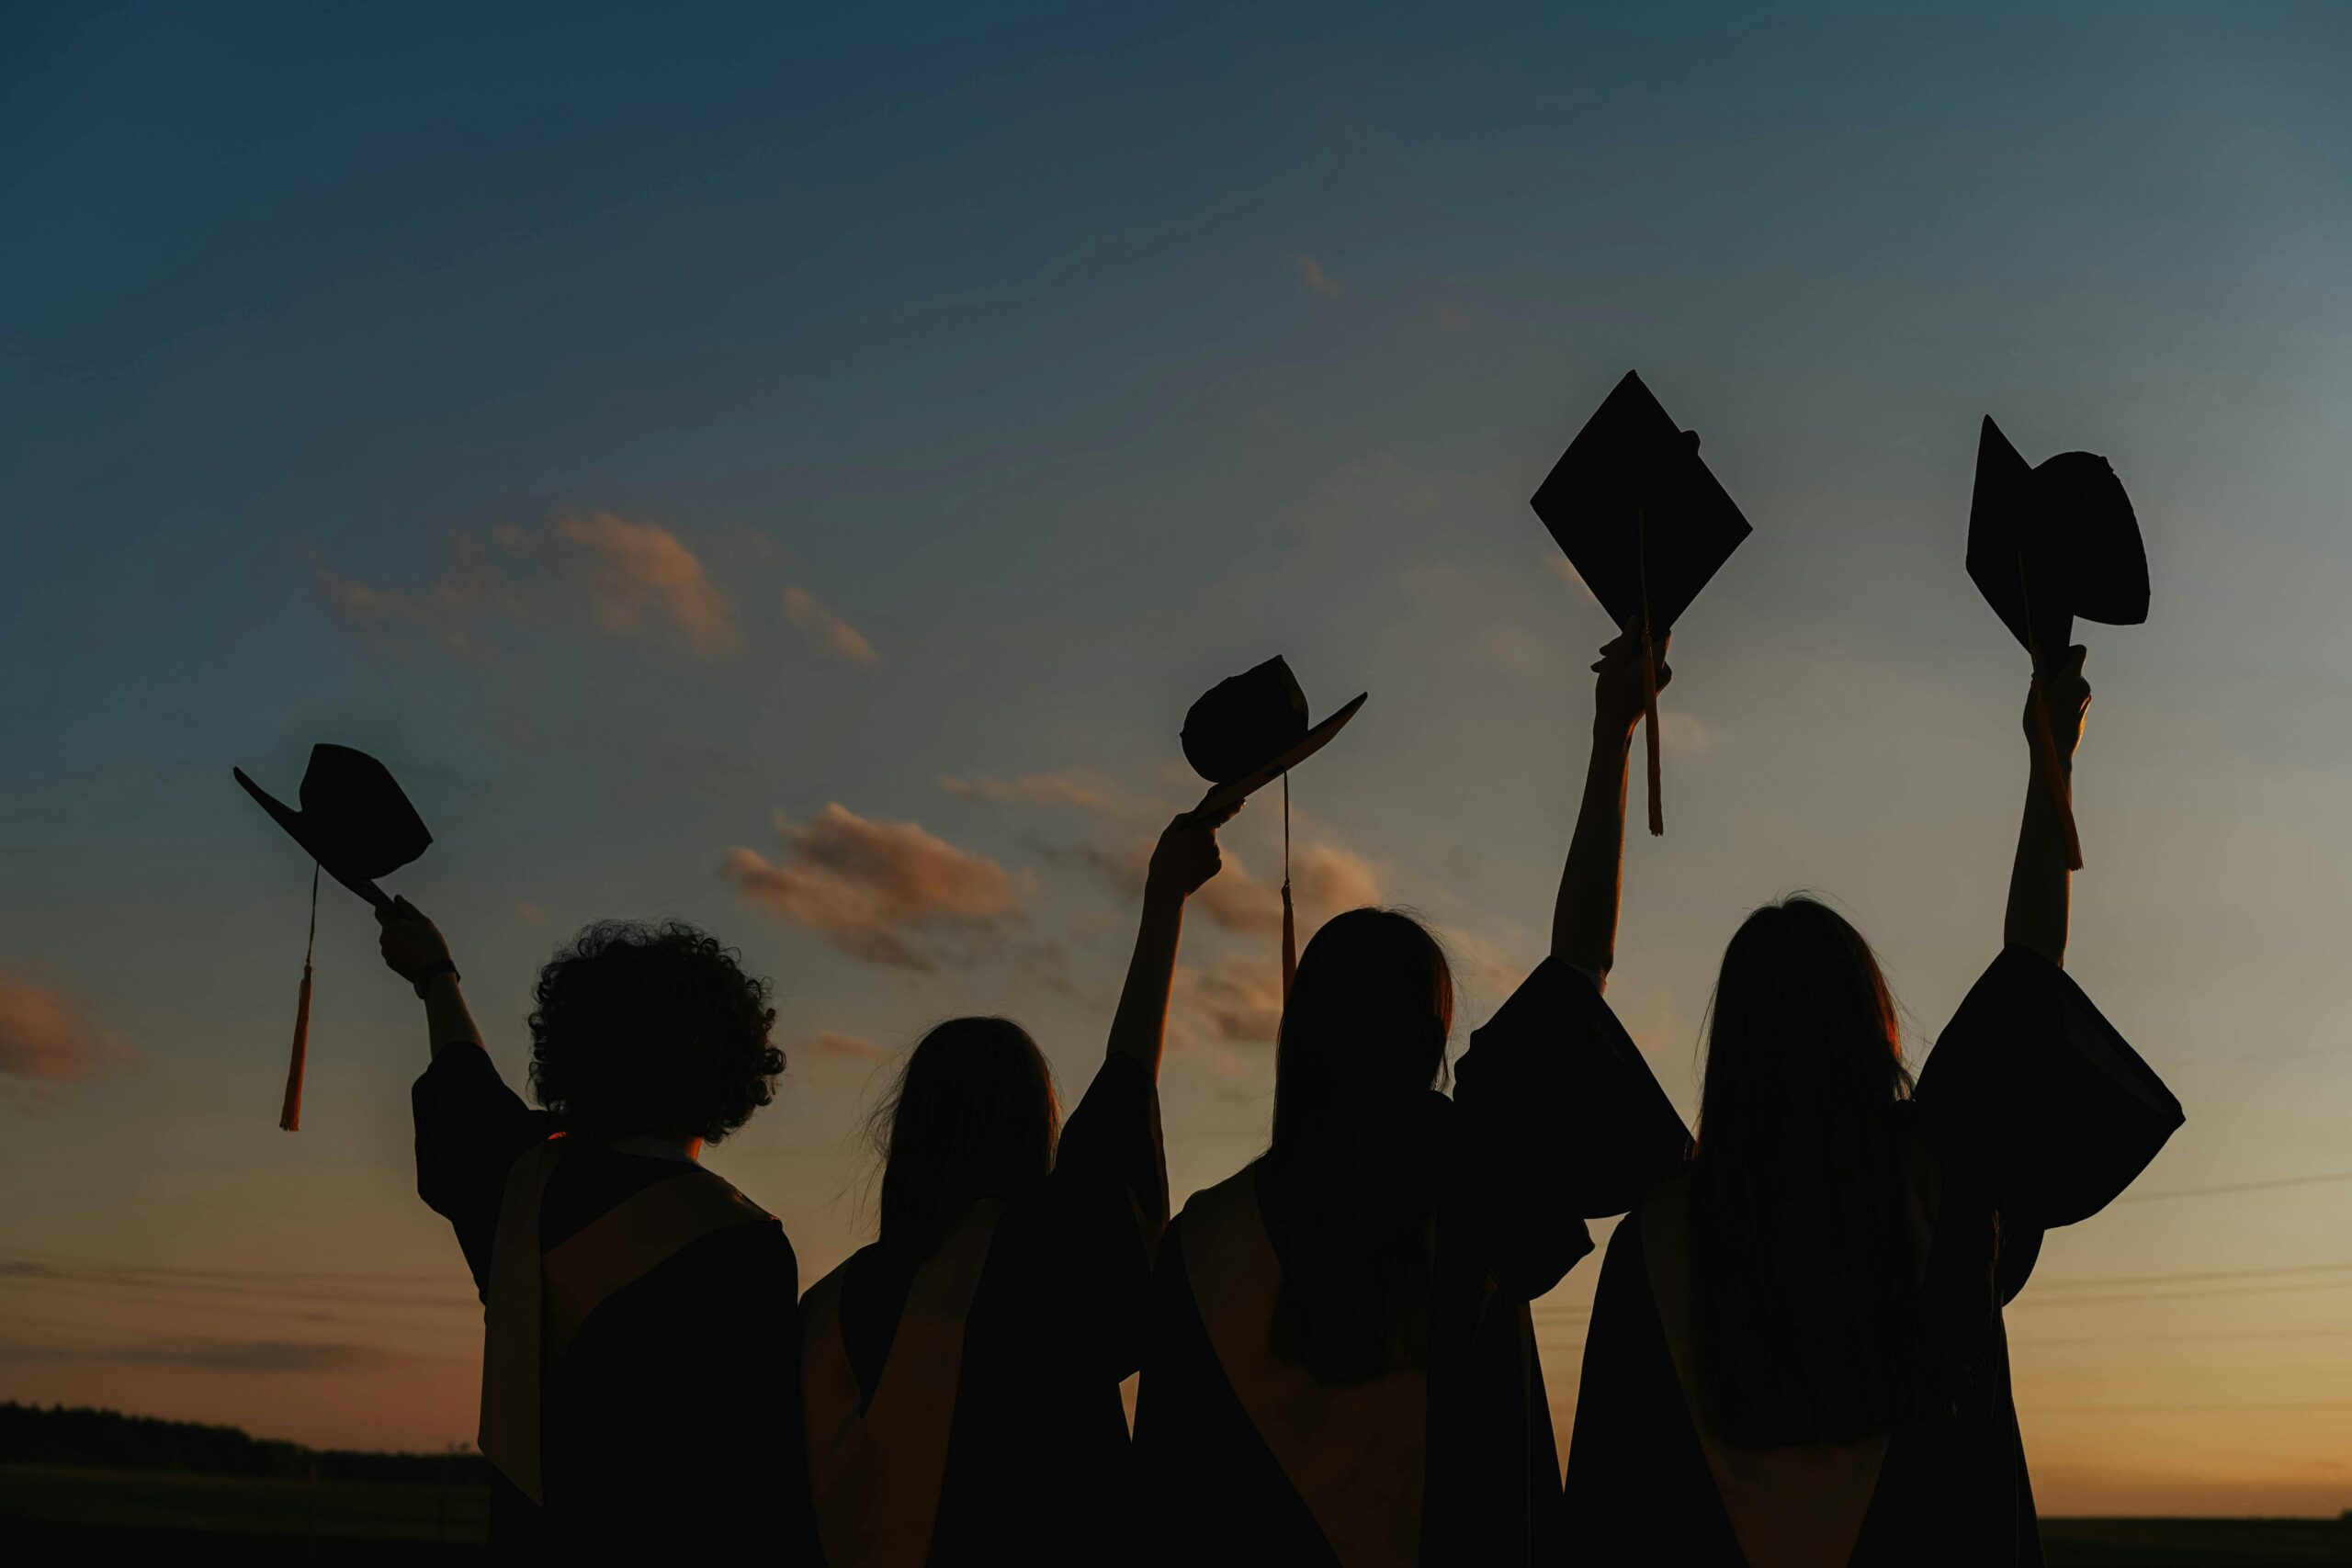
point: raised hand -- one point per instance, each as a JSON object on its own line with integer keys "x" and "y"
{"x": 1618, "y": 699}
{"x": 1187, "y": 856}
{"x": 2068, "y": 698}
{"x": 411, "y": 945}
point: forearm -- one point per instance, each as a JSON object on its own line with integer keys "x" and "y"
{"x": 1584, "y": 920}
{"x": 1140, "y": 1026}
{"x": 2039, "y": 882}
{"x": 446, "y": 1020}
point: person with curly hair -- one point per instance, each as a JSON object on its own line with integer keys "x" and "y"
{"x": 978, "y": 1344}
{"x": 638, "y": 1371}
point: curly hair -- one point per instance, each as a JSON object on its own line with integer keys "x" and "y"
{"x": 652, "y": 1029}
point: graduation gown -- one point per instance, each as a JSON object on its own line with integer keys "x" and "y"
{"x": 2031, "y": 1112}
{"x": 963, "y": 1406}
{"x": 1246, "y": 1458}
{"x": 662, "y": 1413}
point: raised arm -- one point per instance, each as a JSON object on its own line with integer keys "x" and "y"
{"x": 413, "y": 949}
{"x": 1185, "y": 858}
{"x": 2038, "y": 879}
{"x": 1584, "y": 920}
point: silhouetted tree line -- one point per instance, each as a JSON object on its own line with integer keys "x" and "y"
{"x": 31, "y": 1434}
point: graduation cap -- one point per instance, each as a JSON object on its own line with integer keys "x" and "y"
{"x": 1645, "y": 523}
{"x": 2046, "y": 545}
{"x": 357, "y": 826}
{"x": 1245, "y": 732}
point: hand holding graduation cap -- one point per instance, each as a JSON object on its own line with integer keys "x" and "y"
{"x": 1619, "y": 697}
{"x": 2066, "y": 697}
{"x": 413, "y": 946}
{"x": 1186, "y": 856}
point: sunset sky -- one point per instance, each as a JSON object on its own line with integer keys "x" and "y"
{"x": 793, "y": 475}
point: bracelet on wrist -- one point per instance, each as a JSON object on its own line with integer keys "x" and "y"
{"x": 438, "y": 968}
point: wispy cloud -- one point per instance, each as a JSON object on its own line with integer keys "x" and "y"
{"x": 1324, "y": 880}
{"x": 828, "y": 1044}
{"x": 625, "y": 578}
{"x": 1233, "y": 1001}
{"x": 1077, "y": 791}
{"x": 1310, "y": 273}
{"x": 641, "y": 574}
{"x": 44, "y": 1037}
{"x": 472, "y": 589}
{"x": 871, "y": 888}
{"x": 823, "y": 629}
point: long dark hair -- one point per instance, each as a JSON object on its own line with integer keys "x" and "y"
{"x": 1349, "y": 1177}
{"x": 1806, "y": 1309}
{"x": 973, "y": 1115}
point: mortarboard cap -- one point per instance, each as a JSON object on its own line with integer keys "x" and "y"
{"x": 2046, "y": 545}
{"x": 2055, "y": 542}
{"x": 1250, "y": 729}
{"x": 1245, "y": 732}
{"x": 1643, "y": 523}
{"x": 357, "y": 826}
{"x": 1631, "y": 458}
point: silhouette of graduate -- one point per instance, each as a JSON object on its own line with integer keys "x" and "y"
{"x": 967, "y": 1363}
{"x": 1796, "y": 1354}
{"x": 639, "y": 1384}
{"x": 1341, "y": 1366}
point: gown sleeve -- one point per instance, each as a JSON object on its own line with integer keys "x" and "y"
{"x": 2033, "y": 1093}
{"x": 1565, "y": 1119}
{"x": 1108, "y": 1196}
{"x": 470, "y": 1128}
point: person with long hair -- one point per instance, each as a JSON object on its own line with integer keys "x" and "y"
{"x": 1341, "y": 1367}
{"x": 961, "y": 1372}
{"x": 1796, "y": 1357}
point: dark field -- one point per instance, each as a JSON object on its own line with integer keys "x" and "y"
{"x": 108, "y": 1513}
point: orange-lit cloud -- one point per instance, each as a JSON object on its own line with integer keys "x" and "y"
{"x": 639, "y": 573}
{"x": 1324, "y": 881}
{"x": 1234, "y": 1002}
{"x": 1079, "y": 791}
{"x": 828, "y": 1044}
{"x": 871, "y": 888}
{"x": 625, "y": 579}
{"x": 1310, "y": 273}
{"x": 471, "y": 590}
{"x": 823, "y": 629}
{"x": 44, "y": 1037}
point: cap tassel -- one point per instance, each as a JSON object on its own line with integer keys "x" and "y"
{"x": 1290, "y": 930}
{"x": 2045, "y": 743}
{"x": 1649, "y": 677}
{"x": 290, "y": 1115}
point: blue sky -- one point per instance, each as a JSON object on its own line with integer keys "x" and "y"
{"x": 636, "y": 428}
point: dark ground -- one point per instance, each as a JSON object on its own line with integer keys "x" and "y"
{"x": 263, "y": 1523}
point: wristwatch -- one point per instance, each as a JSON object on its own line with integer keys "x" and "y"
{"x": 439, "y": 967}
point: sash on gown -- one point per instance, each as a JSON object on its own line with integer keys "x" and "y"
{"x": 538, "y": 1301}
{"x": 1799, "y": 1506}
{"x": 1356, "y": 1454}
{"x": 875, "y": 1467}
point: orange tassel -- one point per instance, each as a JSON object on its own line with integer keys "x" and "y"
{"x": 289, "y": 1118}
{"x": 1649, "y": 677}
{"x": 1290, "y": 944}
{"x": 1290, "y": 930}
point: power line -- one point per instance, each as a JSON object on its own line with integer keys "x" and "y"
{"x": 2236, "y": 1187}
{"x": 2103, "y": 1280}
{"x": 39, "y": 1260}
{"x": 2178, "y": 1295}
